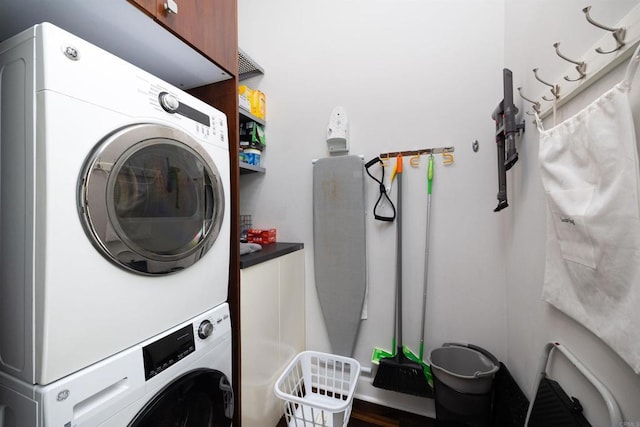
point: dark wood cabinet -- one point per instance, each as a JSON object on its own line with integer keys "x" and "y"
{"x": 209, "y": 26}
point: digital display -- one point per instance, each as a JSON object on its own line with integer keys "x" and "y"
{"x": 194, "y": 114}
{"x": 165, "y": 352}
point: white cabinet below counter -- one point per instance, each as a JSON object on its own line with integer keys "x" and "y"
{"x": 272, "y": 332}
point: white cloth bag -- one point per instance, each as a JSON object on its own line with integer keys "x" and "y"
{"x": 589, "y": 169}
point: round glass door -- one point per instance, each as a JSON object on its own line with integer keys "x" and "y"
{"x": 151, "y": 199}
{"x": 201, "y": 398}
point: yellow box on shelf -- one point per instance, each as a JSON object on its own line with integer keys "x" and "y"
{"x": 253, "y": 101}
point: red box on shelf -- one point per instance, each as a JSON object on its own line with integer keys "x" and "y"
{"x": 263, "y": 237}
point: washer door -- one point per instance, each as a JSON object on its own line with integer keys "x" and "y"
{"x": 200, "y": 398}
{"x": 151, "y": 199}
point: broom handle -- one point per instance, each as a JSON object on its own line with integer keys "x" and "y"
{"x": 399, "y": 257}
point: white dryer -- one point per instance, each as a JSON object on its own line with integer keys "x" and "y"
{"x": 181, "y": 377}
{"x": 114, "y": 205}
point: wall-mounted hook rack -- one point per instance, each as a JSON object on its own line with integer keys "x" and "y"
{"x": 600, "y": 65}
{"x": 581, "y": 66}
{"x": 617, "y": 33}
{"x": 419, "y": 152}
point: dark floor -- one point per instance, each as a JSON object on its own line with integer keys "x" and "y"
{"x": 509, "y": 409}
{"x": 365, "y": 414}
{"x": 369, "y": 414}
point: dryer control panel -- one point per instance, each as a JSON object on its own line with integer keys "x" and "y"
{"x": 171, "y": 104}
{"x": 202, "y": 120}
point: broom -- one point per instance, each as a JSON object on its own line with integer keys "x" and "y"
{"x": 418, "y": 358}
{"x": 398, "y": 372}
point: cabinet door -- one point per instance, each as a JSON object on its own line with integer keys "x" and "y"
{"x": 292, "y": 306}
{"x": 259, "y": 323}
{"x": 210, "y": 26}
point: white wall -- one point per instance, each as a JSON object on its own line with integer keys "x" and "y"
{"x": 423, "y": 74}
{"x": 531, "y": 29}
{"x": 411, "y": 74}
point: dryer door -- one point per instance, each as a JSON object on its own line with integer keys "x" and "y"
{"x": 200, "y": 398}
{"x": 151, "y": 199}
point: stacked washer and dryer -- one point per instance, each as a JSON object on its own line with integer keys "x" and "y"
{"x": 114, "y": 243}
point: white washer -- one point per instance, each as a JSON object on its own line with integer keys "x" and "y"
{"x": 114, "y": 205}
{"x": 181, "y": 377}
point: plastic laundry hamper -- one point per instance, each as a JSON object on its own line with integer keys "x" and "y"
{"x": 317, "y": 389}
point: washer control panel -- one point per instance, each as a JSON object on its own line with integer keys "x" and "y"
{"x": 198, "y": 335}
{"x": 167, "y": 351}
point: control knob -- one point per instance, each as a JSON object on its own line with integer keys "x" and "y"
{"x": 168, "y": 102}
{"x": 205, "y": 329}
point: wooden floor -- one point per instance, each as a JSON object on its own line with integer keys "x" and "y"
{"x": 366, "y": 414}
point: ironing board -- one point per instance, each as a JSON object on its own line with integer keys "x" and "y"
{"x": 339, "y": 247}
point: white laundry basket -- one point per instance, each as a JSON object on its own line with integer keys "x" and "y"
{"x": 317, "y": 389}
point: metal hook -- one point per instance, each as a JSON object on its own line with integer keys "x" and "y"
{"x": 617, "y": 33}
{"x": 581, "y": 66}
{"x": 536, "y": 104}
{"x": 384, "y": 160}
{"x": 555, "y": 89}
{"x": 447, "y": 159}
{"x": 415, "y": 160}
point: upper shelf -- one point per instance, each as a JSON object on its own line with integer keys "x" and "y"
{"x": 247, "y": 67}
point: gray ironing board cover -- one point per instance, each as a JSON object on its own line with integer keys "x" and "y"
{"x": 339, "y": 247}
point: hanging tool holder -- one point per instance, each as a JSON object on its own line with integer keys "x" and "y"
{"x": 506, "y": 130}
{"x": 447, "y": 154}
{"x": 420, "y": 152}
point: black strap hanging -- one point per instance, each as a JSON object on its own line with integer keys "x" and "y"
{"x": 383, "y": 191}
